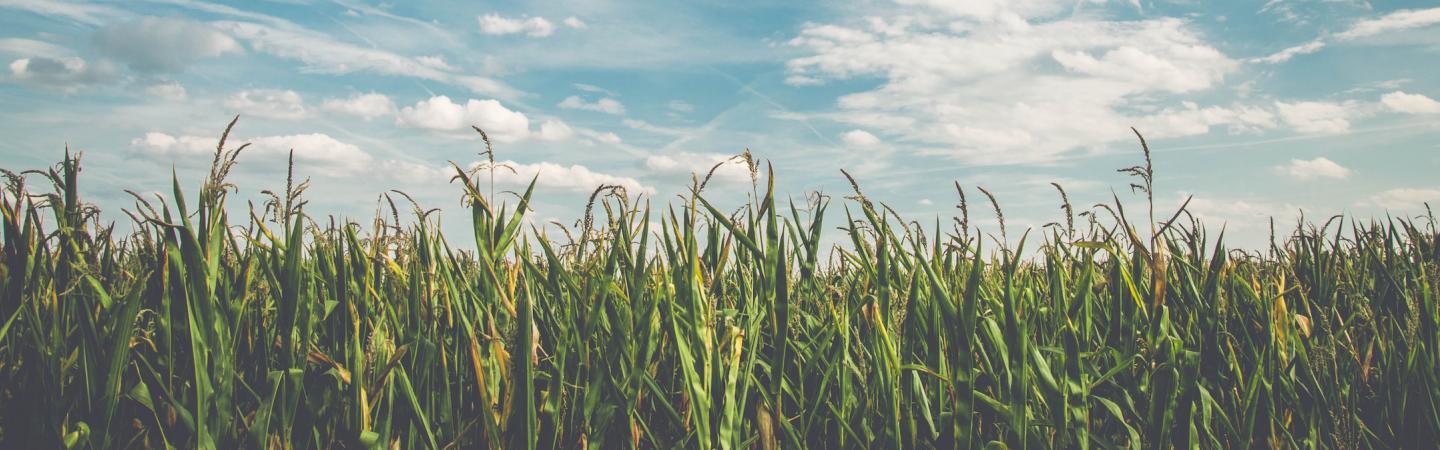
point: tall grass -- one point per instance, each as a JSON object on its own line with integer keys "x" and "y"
{"x": 717, "y": 330}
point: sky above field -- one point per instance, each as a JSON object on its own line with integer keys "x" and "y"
{"x": 1255, "y": 109}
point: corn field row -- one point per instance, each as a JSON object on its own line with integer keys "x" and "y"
{"x": 714, "y": 329}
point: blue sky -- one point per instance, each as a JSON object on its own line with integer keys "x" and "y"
{"x": 1256, "y": 109}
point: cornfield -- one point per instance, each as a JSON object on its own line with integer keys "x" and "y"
{"x": 714, "y": 329}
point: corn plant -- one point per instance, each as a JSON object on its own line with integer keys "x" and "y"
{"x": 715, "y": 329}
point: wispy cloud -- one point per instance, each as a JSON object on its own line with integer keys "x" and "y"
{"x": 1395, "y": 21}
{"x": 321, "y": 53}
{"x": 86, "y": 13}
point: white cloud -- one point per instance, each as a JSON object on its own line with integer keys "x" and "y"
{"x": 365, "y": 106}
{"x": 1191, "y": 119}
{"x": 155, "y": 44}
{"x": 437, "y": 62}
{"x": 318, "y": 152}
{"x": 1310, "y": 169}
{"x": 329, "y": 155}
{"x": 495, "y": 24}
{"x": 1238, "y": 213}
{"x": 995, "y": 87}
{"x": 699, "y": 164}
{"x": 575, "y": 22}
{"x": 92, "y": 14}
{"x": 1395, "y": 21}
{"x": 554, "y": 130}
{"x": 440, "y": 113}
{"x": 575, "y": 177}
{"x": 321, "y": 53}
{"x": 1288, "y": 53}
{"x": 1400, "y": 101}
{"x": 606, "y": 105}
{"x": 605, "y": 137}
{"x": 66, "y": 74}
{"x": 652, "y": 128}
{"x": 171, "y": 91}
{"x": 412, "y": 173}
{"x": 271, "y": 103}
{"x": 593, "y": 88}
{"x": 1401, "y": 198}
{"x": 803, "y": 80}
{"x": 859, "y": 138}
{"x": 1147, "y": 68}
{"x": 31, "y": 47}
{"x": 1003, "y": 11}
{"x": 158, "y": 143}
{"x": 1315, "y": 117}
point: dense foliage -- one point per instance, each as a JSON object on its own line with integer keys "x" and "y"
{"x": 708, "y": 330}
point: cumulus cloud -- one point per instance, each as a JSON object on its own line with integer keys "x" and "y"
{"x": 155, "y": 44}
{"x": 271, "y": 103}
{"x": 365, "y": 106}
{"x": 574, "y": 177}
{"x": 495, "y": 24}
{"x": 1315, "y": 117}
{"x": 859, "y": 138}
{"x": 1399, "y": 101}
{"x": 1310, "y": 169}
{"x": 606, "y": 105}
{"x": 574, "y": 22}
{"x": 554, "y": 130}
{"x": 65, "y": 74}
{"x": 1009, "y": 82}
{"x": 1401, "y": 198}
{"x": 316, "y": 151}
{"x": 440, "y": 113}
